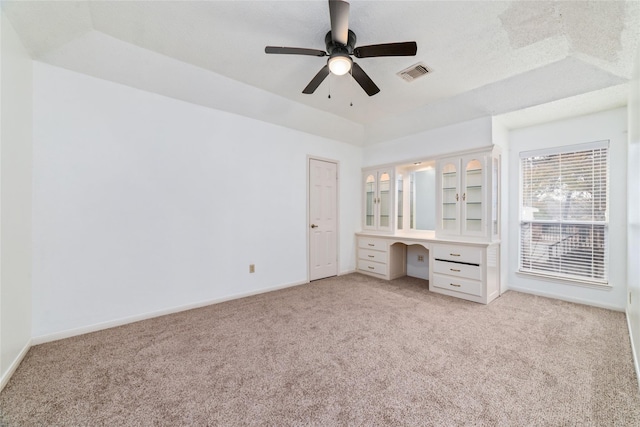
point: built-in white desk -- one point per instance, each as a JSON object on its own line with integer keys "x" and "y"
{"x": 460, "y": 268}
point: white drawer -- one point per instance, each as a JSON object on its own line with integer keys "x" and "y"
{"x": 458, "y": 253}
{"x": 369, "y": 255}
{"x": 372, "y": 267}
{"x": 458, "y": 270}
{"x": 472, "y": 287}
{"x": 372, "y": 243}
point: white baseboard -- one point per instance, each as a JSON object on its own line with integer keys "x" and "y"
{"x": 344, "y": 273}
{"x": 634, "y": 353}
{"x": 565, "y": 298}
{"x": 131, "y": 319}
{"x": 14, "y": 365}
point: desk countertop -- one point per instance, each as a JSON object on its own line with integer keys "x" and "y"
{"x": 425, "y": 236}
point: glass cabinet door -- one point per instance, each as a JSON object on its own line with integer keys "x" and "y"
{"x": 450, "y": 198}
{"x": 469, "y": 195}
{"x": 400, "y": 197}
{"x": 495, "y": 197}
{"x": 472, "y": 196}
{"x": 378, "y": 199}
{"x": 384, "y": 199}
{"x": 370, "y": 201}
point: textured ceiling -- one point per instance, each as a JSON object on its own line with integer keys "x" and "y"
{"x": 486, "y": 57}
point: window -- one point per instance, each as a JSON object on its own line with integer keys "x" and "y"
{"x": 564, "y": 212}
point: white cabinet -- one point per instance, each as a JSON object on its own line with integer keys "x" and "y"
{"x": 467, "y": 272}
{"x": 468, "y": 193}
{"x": 381, "y": 258}
{"x": 378, "y": 200}
{"x": 373, "y": 256}
{"x": 459, "y": 199}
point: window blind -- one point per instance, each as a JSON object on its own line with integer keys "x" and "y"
{"x": 564, "y": 213}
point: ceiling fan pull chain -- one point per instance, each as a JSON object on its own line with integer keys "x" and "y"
{"x": 352, "y": 86}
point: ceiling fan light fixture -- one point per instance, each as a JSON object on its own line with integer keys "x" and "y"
{"x": 340, "y": 64}
{"x": 340, "y": 44}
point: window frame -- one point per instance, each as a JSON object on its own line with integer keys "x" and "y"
{"x": 559, "y": 276}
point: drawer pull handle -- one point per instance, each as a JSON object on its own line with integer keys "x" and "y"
{"x": 371, "y": 256}
{"x": 454, "y": 269}
{"x": 371, "y": 244}
{"x": 454, "y": 254}
{"x": 453, "y": 284}
{"x": 371, "y": 268}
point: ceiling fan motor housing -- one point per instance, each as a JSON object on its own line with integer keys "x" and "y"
{"x": 336, "y": 47}
{"x": 340, "y": 42}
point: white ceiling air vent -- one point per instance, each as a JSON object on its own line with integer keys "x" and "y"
{"x": 414, "y": 72}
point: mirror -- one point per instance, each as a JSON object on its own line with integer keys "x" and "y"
{"x": 417, "y": 196}
{"x": 425, "y": 199}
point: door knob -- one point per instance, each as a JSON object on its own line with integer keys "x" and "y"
{"x": 314, "y": 226}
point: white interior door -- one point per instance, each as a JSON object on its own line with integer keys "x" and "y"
{"x": 323, "y": 222}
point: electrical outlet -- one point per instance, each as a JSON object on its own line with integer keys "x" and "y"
{"x": 252, "y": 268}
{"x": 420, "y": 258}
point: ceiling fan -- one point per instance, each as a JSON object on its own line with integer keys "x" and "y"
{"x": 340, "y": 43}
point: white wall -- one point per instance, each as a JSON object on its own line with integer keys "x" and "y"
{"x": 15, "y": 200}
{"x": 633, "y": 196}
{"x": 432, "y": 143}
{"x": 415, "y": 267}
{"x": 608, "y": 125}
{"x": 144, "y": 203}
{"x": 501, "y": 138}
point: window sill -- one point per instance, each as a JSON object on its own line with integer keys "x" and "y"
{"x": 566, "y": 281}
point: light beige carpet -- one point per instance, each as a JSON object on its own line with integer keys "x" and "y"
{"x": 349, "y": 350}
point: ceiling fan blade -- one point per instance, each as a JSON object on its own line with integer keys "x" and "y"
{"x": 294, "y": 51}
{"x": 315, "y": 82}
{"x": 339, "y": 13}
{"x": 364, "y": 80}
{"x": 387, "y": 49}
